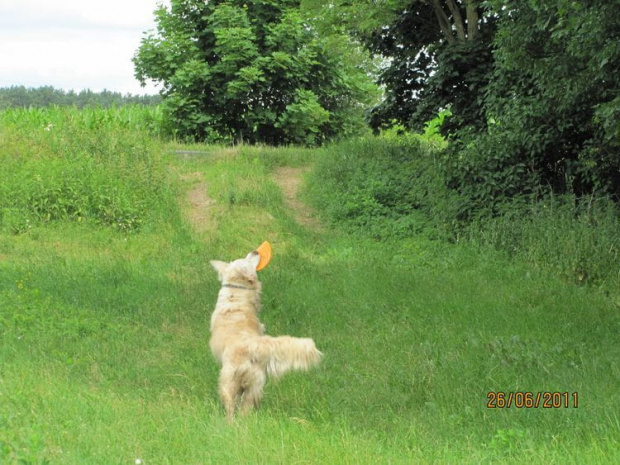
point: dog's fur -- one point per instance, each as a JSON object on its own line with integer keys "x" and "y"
{"x": 238, "y": 341}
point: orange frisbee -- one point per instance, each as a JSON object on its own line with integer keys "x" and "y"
{"x": 264, "y": 250}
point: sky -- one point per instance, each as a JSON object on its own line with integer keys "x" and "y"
{"x": 74, "y": 44}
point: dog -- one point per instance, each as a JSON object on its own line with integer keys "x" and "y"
{"x": 239, "y": 343}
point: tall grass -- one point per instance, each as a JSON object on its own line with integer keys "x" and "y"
{"x": 89, "y": 165}
{"x": 577, "y": 238}
{"x": 396, "y": 187}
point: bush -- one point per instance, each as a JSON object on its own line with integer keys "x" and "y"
{"x": 384, "y": 186}
{"x": 551, "y": 105}
{"x": 395, "y": 186}
{"x": 489, "y": 171}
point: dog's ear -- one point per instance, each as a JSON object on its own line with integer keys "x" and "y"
{"x": 219, "y": 267}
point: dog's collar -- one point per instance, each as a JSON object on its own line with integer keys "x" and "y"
{"x": 237, "y": 286}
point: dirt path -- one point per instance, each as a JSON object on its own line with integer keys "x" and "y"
{"x": 197, "y": 204}
{"x": 289, "y": 179}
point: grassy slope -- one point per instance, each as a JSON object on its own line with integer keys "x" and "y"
{"x": 105, "y": 358}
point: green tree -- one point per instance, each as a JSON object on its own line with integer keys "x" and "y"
{"x": 533, "y": 87}
{"x": 552, "y": 106}
{"x": 252, "y": 71}
{"x": 438, "y": 55}
{"x": 46, "y": 96}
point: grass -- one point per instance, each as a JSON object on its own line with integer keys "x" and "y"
{"x": 577, "y": 238}
{"x": 104, "y": 354}
{"x": 389, "y": 187}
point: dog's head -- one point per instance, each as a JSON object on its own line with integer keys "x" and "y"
{"x": 241, "y": 272}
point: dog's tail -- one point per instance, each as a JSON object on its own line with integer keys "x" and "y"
{"x": 285, "y": 353}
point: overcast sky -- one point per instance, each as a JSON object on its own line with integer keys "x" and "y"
{"x": 73, "y": 44}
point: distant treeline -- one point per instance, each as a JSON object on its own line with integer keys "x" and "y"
{"x": 24, "y": 97}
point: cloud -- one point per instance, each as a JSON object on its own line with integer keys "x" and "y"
{"x": 73, "y": 44}
{"x": 131, "y": 14}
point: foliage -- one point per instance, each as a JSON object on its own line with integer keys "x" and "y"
{"x": 22, "y": 97}
{"x": 550, "y": 108}
{"x": 387, "y": 186}
{"x": 436, "y": 54}
{"x": 554, "y": 92}
{"x": 532, "y": 87}
{"x": 396, "y": 186}
{"x": 430, "y": 70}
{"x": 303, "y": 119}
{"x": 63, "y": 164}
{"x": 254, "y": 72}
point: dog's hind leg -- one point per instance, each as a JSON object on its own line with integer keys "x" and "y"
{"x": 229, "y": 389}
{"x": 253, "y": 383}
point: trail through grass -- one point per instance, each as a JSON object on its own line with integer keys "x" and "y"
{"x": 104, "y": 338}
{"x": 290, "y": 180}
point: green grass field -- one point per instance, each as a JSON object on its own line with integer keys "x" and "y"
{"x": 106, "y": 294}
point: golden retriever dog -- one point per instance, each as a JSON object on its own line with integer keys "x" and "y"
{"x": 239, "y": 343}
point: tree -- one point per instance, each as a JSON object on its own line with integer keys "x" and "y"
{"x": 533, "y": 88}
{"x": 557, "y": 89}
{"x": 22, "y": 97}
{"x": 552, "y": 106}
{"x": 253, "y": 71}
{"x": 441, "y": 57}
{"x": 438, "y": 55}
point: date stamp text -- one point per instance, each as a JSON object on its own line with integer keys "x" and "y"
{"x": 556, "y": 400}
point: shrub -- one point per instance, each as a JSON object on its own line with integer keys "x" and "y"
{"x": 385, "y": 186}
